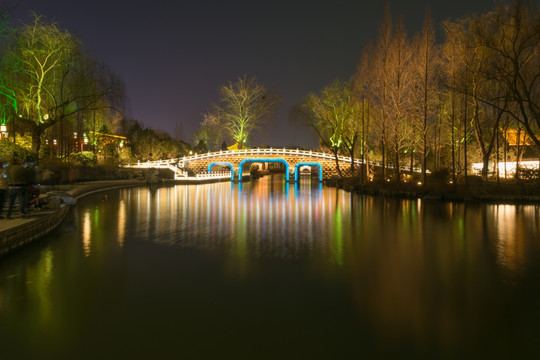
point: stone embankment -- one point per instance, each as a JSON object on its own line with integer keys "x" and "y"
{"x": 18, "y": 232}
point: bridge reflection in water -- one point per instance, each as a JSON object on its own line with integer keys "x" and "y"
{"x": 266, "y": 269}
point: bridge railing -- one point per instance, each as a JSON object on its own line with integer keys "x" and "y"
{"x": 178, "y": 164}
{"x": 264, "y": 151}
{"x": 154, "y": 164}
{"x": 171, "y": 164}
{"x": 213, "y": 175}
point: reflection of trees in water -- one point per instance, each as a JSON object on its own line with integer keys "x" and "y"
{"x": 427, "y": 272}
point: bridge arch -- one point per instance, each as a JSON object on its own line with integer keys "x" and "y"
{"x": 240, "y": 166}
{"x": 297, "y": 169}
{"x": 217, "y": 163}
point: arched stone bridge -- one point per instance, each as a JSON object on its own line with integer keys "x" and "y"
{"x": 237, "y": 163}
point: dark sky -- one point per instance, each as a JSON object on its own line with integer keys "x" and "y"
{"x": 174, "y": 55}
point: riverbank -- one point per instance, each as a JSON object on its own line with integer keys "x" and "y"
{"x": 507, "y": 192}
{"x": 18, "y": 231}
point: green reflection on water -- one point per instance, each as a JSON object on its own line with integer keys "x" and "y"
{"x": 338, "y": 238}
{"x": 330, "y": 270}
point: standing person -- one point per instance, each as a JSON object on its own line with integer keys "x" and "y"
{"x": 3, "y": 188}
{"x": 18, "y": 179}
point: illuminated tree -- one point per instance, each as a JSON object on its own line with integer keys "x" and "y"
{"x": 212, "y": 131}
{"x": 512, "y": 35}
{"x": 54, "y": 79}
{"x": 451, "y": 68}
{"x": 426, "y": 66}
{"x": 244, "y": 106}
{"x": 379, "y": 84}
{"x": 361, "y": 83}
{"x": 399, "y": 87}
{"x": 332, "y": 114}
{"x": 149, "y": 144}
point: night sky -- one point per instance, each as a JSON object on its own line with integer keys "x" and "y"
{"x": 174, "y": 55}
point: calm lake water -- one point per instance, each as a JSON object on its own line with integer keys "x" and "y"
{"x": 267, "y": 270}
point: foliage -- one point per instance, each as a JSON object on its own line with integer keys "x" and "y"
{"x": 333, "y": 115}
{"x": 54, "y": 80}
{"x": 329, "y": 113}
{"x": 10, "y": 151}
{"x": 84, "y": 158}
{"x": 200, "y": 147}
{"x": 147, "y": 144}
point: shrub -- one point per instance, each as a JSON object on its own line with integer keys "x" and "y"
{"x": 528, "y": 174}
{"x": 10, "y": 151}
{"x": 441, "y": 176}
{"x": 87, "y": 158}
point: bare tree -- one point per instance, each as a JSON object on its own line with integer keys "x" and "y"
{"x": 400, "y": 82}
{"x": 426, "y": 67}
{"x": 513, "y": 37}
{"x": 452, "y": 68}
{"x": 380, "y": 67}
{"x": 361, "y": 83}
{"x": 244, "y": 106}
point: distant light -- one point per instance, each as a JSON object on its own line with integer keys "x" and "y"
{"x": 419, "y": 183}
{"x": 46, "y": 117}
{"x": 3, "y": 128}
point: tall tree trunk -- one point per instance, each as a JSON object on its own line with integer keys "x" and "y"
{"x": 453, "y": 136}
{"x": 465, "y": 162}
{"x": 335, "y": 151}
{"x": 497, "y": 158}
{"x": 366, "y": 148}
{"x": 362, "y": 148}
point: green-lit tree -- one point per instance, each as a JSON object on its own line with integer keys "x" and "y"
{"x": 332, "y": 114}
{"x": 54, "y": 79}
{"x": 244, "y": 106}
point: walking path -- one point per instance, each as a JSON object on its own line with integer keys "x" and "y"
{"x": 19, "y": 231}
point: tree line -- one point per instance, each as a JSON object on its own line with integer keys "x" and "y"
{"x": 57, "y": 101}
{"x": 419, "y": 103}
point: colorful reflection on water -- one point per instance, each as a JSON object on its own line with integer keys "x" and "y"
{"x": 272, "y": 270}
